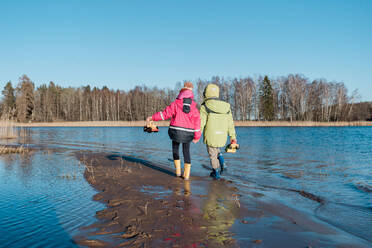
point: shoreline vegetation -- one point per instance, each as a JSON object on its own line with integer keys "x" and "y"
{"x": 166, "y": 123}
{"x": 6, "y": 149}
{"x": 293, "y": 97}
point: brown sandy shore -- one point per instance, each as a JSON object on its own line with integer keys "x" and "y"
{"x": 147, "y": 206}
{"x": 166, "y": 123}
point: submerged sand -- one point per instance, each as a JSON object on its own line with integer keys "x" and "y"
{"x": 147, "y": 206}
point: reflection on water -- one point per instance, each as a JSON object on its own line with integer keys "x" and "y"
{"x": 332, "y": 163}
{"x": 183, "y": 188}
{"x": 220, "y": 213}
{"x": 41, "y": 203}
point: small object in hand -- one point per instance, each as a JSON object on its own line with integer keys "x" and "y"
{"x": 150, "y": 128}
{"x": 231, "y": 148}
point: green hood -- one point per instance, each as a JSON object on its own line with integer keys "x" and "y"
{"x": 211, "y": 101}
{"x": 212, "y": 91}
{"x": 217, "y": 106}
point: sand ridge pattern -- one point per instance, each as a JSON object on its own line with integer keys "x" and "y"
{"x": 148, "y": 207}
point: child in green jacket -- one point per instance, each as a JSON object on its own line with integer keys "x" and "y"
{"x": 216, "y": 124}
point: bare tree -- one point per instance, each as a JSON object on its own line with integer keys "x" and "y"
{"x": 292, "y": 97}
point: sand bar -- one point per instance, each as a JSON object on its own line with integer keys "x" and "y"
{"x": 147, "y": 206}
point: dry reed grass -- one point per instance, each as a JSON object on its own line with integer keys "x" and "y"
{"x": 11, "y": 149}
{"x": 89, "y": 168}
{"x": 301, "y": 124}
{"x": 166, "y": 123}
{"x": 89, "y": 124}
{"x": 8, "y": 130}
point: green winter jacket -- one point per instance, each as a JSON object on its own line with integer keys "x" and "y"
{"x": 216, "y": 118}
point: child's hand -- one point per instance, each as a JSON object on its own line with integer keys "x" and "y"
{"x": 233, "y": 141}
{"x": 148, "y": 119}
{"x": 195, "y": 141}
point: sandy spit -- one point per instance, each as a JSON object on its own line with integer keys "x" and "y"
{"x": 147, "y": 206}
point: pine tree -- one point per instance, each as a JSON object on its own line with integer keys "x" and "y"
{"x": 266, "y": 100}
{"x": 9, "y": 101}
{"x": 25, "y": 99}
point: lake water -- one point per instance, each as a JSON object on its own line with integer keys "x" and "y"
{"x": 323, "y": 171}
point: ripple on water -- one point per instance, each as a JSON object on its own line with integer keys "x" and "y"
{"x": 353, "y": 219}
{"x": 322, "y": 161}
{"x": 364, "y": 187}
{"x": 40, "y": 208}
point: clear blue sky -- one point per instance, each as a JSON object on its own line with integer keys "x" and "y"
{"x": 158, "y": 43}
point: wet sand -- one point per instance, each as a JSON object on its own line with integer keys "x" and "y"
{"x": 147, "y": 206}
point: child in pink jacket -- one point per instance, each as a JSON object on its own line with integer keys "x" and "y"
{"x": 184, "y": 126}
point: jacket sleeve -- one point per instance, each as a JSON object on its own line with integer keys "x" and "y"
{"x": 196, "y": 123}
{"x": 231, "y": 130}
{"x": 203, "y": 118}
{"x": 165, "y": 114}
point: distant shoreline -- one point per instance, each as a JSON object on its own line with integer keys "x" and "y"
{"x": 166, "y": 123}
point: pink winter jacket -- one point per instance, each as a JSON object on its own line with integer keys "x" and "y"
{"x": 181, "y": 121}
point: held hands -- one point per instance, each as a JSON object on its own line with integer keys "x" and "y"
{"x": 195, "y": 141}
{"x": 233, "y": 141}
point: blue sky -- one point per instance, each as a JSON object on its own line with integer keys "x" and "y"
{"x": 158, "y": 43}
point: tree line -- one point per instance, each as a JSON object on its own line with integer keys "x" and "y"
{"x": 289, "y": 98}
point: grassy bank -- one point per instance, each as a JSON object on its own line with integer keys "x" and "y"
{"x": 166, "y": 123}
{"x": 300, "y": 124}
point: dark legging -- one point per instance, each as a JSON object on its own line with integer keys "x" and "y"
{"x": 185, "y": 150}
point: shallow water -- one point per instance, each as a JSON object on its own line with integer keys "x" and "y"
{"x": 44, "y": 200}
{"x": 324, "y": 171}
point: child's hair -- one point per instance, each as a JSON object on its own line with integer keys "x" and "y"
{"x": 188, "y": 85}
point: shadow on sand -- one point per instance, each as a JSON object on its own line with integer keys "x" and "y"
{"x": 142, "y": 162}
